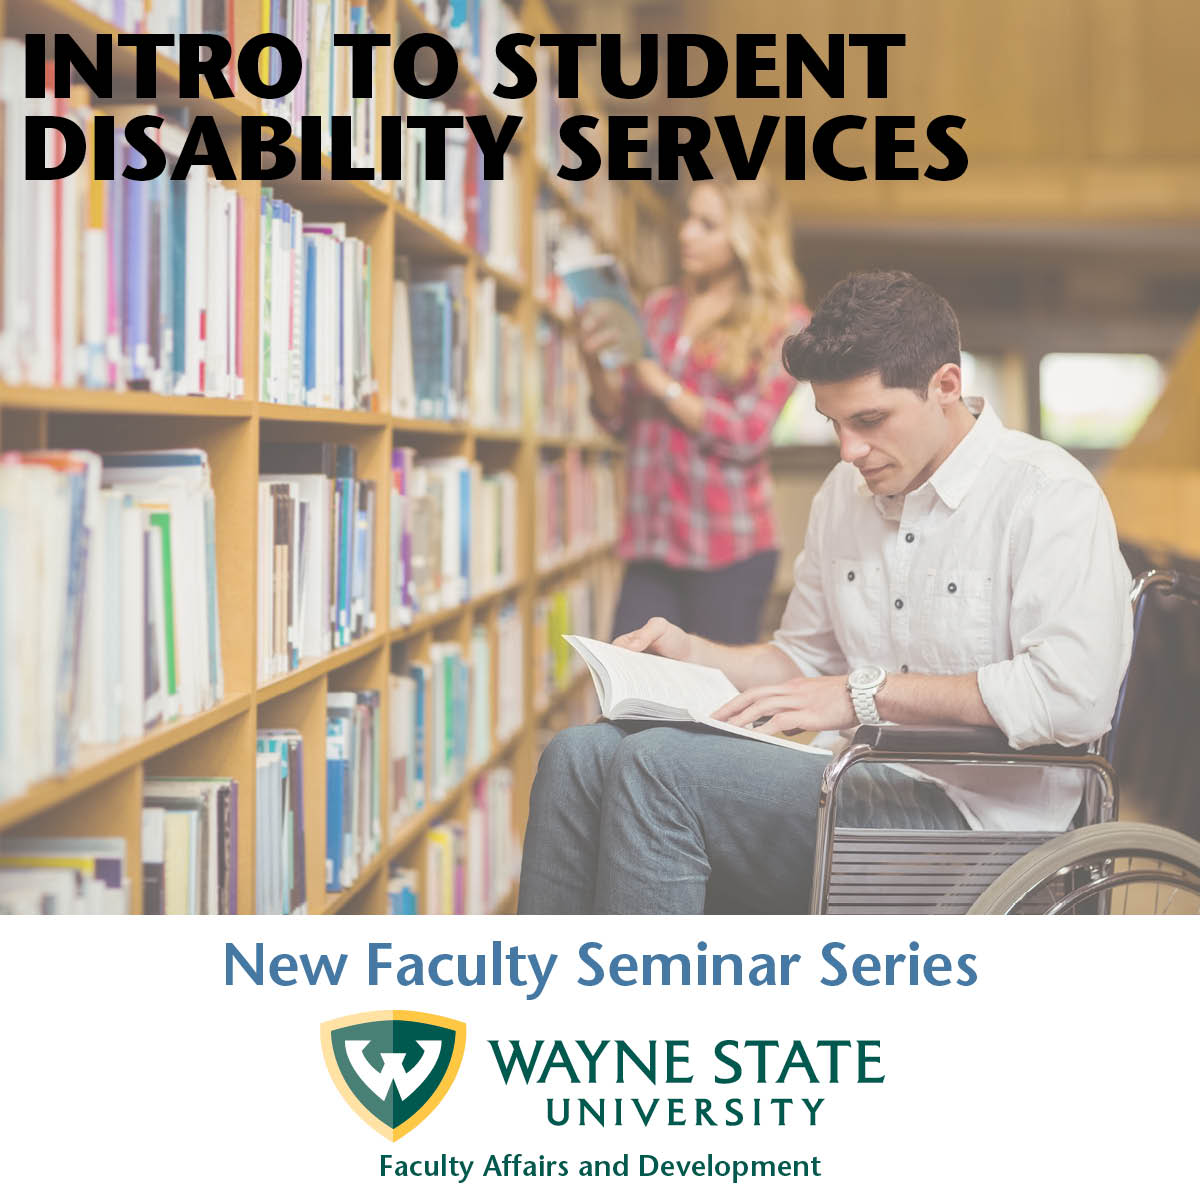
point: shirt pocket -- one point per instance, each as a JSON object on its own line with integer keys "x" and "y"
{"x": 857, "y": 594}
{"x": 956, "y": 616}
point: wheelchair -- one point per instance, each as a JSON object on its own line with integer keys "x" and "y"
{"x": 1099, "y": 866}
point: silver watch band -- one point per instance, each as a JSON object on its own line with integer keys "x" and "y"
{"x": 864, "y": 707}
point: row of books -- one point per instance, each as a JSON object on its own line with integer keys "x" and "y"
{"x": 430, "y": 342}
{"x": 576, "y": 504}
{"x": 63, "y": 875}
{"x": 498, "y": 362}
{"x": 325, "y": 82}
{"x": 280, "y": 884}
{"x": 189, "y": 832}
{"x": 189, "y": 845}
{"x": 557, "y": 238}
{"x": 470, "y": 866}
{"x": 189, "y": 858}
{"x": 316, "y": 538}
{"x": 441, "y": 722}
{"x": 314, "y": 311}
{"x": 510, "y": 672}
{"x": 453, "y": 532}
{"x": 353, "y": 786}
{"x": 108, "y": 601}
{"x": 449, "y": 364}
{"x": 166, "y": 16}
{"x": 454, "y": 195}
{"x": 559, "y": 385}
{"x": 115, "y": 283}
{"x": 583, "y": 606}
{"x": 481, "y": 212}
{"x": 472, "y": 27}
{"x": 441, "y": 716}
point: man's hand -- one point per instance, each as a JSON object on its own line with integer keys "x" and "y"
{"x": 798, "y": 703}
{"x": 658, "y": 636}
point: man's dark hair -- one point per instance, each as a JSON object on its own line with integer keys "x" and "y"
{"x": 885, "y": 321}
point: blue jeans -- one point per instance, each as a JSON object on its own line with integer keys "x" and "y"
{"x": 630, "y": 818}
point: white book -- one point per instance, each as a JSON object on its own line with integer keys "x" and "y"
{"x": 401, "y": 701}
{"x": 346, "y": 396}
{"x": 15, "y": 264}
{"x": 265, "y": 539}
{"x": 93, "y": 703}
{"x": 233, "y": 214}
{"x": 484, "y": 384}
{"x": 196, "y": 796}
{"x": 281, "y": 257}
{"x": 195, "y": 281}
{"x": 216, "y": 295}
{"x": 404, "y": 396}
{"x": 73, "y": 198}
{"x": 35, "y": 892}
{"x": 644, "y": 687}
{"x": 295, "y": 389}
{"x": 477, "y": 901}
{"x": 43, "y": 235}
{"x": 159, "y": 703}
{"x": 133, "y": 623}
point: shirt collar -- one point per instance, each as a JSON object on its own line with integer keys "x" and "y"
{"x": 953, "y": 479}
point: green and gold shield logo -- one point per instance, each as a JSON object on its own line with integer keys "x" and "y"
{"x": 392, "y": 1067}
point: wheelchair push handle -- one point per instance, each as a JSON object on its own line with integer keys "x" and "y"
{"x": 1171, "y": 582}
{"x": 1187, "y": 586}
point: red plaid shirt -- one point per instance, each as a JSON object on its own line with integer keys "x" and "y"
{"x": 700, "y": 500}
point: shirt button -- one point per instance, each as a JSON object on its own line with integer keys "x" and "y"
{"x": 904, "y": 669}
{"x": 899, "y": 603}
{"x": 952, "y": 587}
{"x": 850, "y": 576}
{"x": 910, "y": 537}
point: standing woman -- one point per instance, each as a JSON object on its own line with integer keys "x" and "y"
{"x": 699, "y": 535}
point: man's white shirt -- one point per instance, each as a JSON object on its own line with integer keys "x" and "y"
{"x": 1004, "y": 563}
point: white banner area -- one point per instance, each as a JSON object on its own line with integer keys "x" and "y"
{"x": 693, "y": 1056}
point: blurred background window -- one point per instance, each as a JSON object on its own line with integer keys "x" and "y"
{"x": 1097, "y": 401}
{"x": 800, "y": 424}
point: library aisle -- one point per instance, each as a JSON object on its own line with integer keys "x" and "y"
{"x": 303, "y": 488}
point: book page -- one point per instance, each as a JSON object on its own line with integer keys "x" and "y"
{"x": 685, "y": 687}
{"x": 770, "y": 738}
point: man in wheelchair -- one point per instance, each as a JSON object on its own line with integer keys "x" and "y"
{"x": 954, "y": 572}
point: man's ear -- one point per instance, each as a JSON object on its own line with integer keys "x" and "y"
{"x": 946, "y": 384}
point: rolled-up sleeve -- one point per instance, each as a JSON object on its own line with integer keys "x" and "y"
{"x": 806, "y": 634}
{"x": 1070, "y": 623}
{"x": 738, "y": 427}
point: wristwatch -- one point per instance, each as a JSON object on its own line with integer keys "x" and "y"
{"x": 863, "y": 683}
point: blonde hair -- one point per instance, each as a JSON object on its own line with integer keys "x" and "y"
{"x": 760, "y": 237}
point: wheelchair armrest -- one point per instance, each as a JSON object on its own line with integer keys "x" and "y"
{"x": 951, "y": 739}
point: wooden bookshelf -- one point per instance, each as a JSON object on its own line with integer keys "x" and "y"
{"x": 102, "y": 794}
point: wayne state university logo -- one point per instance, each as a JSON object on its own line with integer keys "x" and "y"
{"x": 393, "y": 1068}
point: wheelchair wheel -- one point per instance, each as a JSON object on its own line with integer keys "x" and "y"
{"x": 1113, "y": 868}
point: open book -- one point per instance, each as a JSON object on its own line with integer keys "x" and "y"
{"x": 599, "y": 285}
{"x": 643, "y": 687}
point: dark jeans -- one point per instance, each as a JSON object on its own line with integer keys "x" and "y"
{"x": 723, "y": 605}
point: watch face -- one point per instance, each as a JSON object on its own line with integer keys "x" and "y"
{"x": 866, "y": 677}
